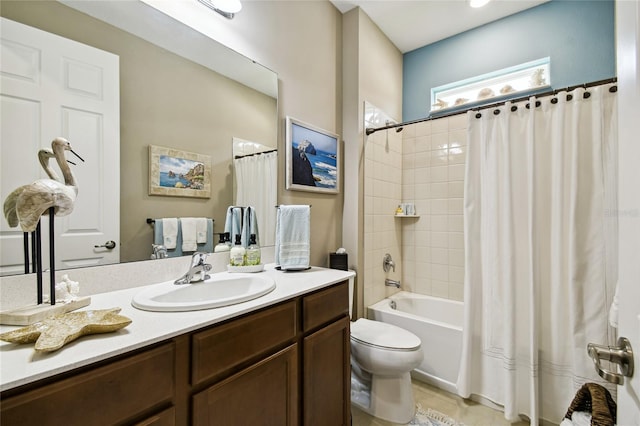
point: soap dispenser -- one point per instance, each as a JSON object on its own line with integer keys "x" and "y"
{"x": 222, "y": 245}
{"x": 237, "y": 253}
{"x": 253, "y": 251}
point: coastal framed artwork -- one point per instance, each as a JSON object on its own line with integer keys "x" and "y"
{"x": 312, "y": 158}
{"x": 177, "y": 173}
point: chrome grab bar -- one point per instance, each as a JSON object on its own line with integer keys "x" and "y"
{"x": 620, "y": 354}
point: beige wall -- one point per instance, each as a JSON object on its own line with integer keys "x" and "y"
{"x": 168, "y": 101}
{"x": 373, "y": 69}
{"x": 302, "y": 42}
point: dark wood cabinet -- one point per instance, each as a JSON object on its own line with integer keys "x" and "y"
{"x": 111, "y": 394}
{"x": 286, "y": 364}
{"x": 326, "y": 383}
{"x": 263, "y": 394}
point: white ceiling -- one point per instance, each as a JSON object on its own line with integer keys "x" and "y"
{"x": 411, "y": 24}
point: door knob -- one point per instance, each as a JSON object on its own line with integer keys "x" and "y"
{"x": 108, "y": 245}
{"x": 620, "y": 354}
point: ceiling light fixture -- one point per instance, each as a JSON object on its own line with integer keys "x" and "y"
{"x": 478, "y": 3}
{"x": 226, "y": 8}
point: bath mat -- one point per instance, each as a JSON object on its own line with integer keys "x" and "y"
{"x": 429, "y": 417}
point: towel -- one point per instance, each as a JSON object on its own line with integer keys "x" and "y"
{"x": 170, "y": 232}
{"x": 158, "y": 238}
{"x": 293, "y": 230}
{"x": 201, "y": 230}
{"x": 233, "y": 223}
{"x": 189, "y": 234}
{"x": 249, "y": 226}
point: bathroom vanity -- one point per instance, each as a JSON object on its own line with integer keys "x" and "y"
{"x": 282, "y": 359}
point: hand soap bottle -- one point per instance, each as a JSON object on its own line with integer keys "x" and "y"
{"x": 222, "y": 245}
{"x": 253, "y": 251}
{"x": 237, "y": 253}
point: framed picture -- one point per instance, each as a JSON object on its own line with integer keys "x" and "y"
{"x": 179, "y": 173}
{"x": 313, "y": 158}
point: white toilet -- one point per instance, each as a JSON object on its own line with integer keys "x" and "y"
{"x": 382, "y": 355}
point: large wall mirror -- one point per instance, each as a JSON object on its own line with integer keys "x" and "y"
{"x": 172, "y": 94}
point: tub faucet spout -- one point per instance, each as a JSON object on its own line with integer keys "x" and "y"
{"x": 392, "y": 283}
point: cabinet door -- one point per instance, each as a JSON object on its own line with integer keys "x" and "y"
{"x": 326, "y": 381}
{"x": 263, "y": 394}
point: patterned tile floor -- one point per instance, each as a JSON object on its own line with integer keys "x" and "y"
{"x": 468, "y": 412}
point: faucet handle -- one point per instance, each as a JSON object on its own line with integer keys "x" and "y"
{"x": 388, "y": 263}
{"x": 199, "y": 258}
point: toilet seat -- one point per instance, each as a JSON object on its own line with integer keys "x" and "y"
{"x": 378, "y": 334}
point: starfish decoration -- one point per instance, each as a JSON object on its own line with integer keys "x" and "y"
{"x": 53, "y": 333}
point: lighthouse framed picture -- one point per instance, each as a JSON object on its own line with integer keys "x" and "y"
{"x": 313, "y": 158}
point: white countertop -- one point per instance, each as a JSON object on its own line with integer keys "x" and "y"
{"x": 21, "y": 364}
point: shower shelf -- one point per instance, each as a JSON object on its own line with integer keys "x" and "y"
{"x": 406, "y": 215}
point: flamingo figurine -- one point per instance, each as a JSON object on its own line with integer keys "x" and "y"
{"x": 26, "y": 204}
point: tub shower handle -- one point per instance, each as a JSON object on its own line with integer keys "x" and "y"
{"x": 388, "y": 263}
{"x": 621, "y": 355}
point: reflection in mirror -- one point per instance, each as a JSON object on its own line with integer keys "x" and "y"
{"x": 255, "y": 184}
{"x": 166, "y": 100}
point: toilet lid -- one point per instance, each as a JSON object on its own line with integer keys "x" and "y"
{"x": 376, "y": 333}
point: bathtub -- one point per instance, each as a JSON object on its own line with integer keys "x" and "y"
{"x": 438, "y": 324}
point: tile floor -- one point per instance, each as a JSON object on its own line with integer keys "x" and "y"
{"x": 466, "y": 411}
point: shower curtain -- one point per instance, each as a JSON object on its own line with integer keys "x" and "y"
{"x": 257, "y": 186}
{"x": 540, "y": 249}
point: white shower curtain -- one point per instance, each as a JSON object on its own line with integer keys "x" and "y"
{"x": 257, "y": 186}
{"x": 539, "y": 250}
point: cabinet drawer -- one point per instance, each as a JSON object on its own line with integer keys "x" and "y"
{"x": 325, "y": 306}
{"x": 110, "y": 394}
{"x": 219, "y": 350}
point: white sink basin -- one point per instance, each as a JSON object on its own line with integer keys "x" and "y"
{"x": 220, "y": 290}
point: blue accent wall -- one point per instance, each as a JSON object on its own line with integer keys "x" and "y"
{"x": 578, "y": 36}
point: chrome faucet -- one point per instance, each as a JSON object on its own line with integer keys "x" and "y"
{"x": 159, "y": 251}
{"x": 197, "y": 271}
{"x": 388, "y": 263}
{"x": 392, "y": 283}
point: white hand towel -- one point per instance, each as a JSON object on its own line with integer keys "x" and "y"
{"x": 201, "y": 230}
{"x": 189, "y": 237}
{"x": 293, "y": 231}
{"x": 170, "y": 232}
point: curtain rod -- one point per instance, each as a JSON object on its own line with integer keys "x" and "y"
{"x": 255, "y": 153}
{"x": 371, "y": 130}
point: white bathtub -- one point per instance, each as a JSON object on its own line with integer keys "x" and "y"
{"x": 438, "y": 324}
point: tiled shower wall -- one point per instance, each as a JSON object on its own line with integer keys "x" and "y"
{"x": 433, "y": 163}
{"x": 382, "y": 194}
{"x": 423, "y": 164}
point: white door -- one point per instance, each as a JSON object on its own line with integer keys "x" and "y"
{"x": 49, "y": 87}
{"x": 628, "y": 57}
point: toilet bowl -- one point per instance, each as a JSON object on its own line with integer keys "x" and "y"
{"x": 382, "y": 355}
